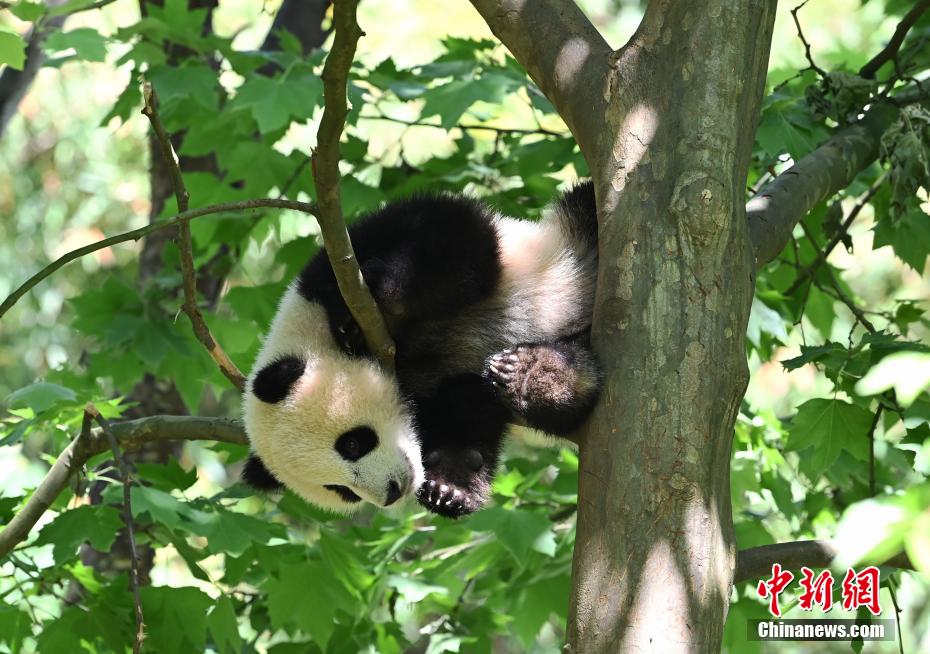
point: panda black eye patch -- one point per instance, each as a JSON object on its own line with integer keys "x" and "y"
{"x": 344, "y": 492}
{"x": 273, "y": 382}
{"x": 356, "y": 443}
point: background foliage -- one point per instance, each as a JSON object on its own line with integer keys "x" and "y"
{"x": 833, "y": 437}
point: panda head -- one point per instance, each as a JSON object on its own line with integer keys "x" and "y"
{"x": 333, "y": 429}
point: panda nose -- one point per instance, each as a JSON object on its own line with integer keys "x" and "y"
{"x": 393, "y": 493}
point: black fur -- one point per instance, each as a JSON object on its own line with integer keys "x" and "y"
{"x": 461, "y": 428}
{"x": 425, "y": 257}
{"x": 274, "y": 381}
{"x": 256, "y": 475}
{"x": 579, "y": 211}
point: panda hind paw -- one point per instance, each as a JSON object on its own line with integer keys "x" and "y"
{"x": 507, "y": 371}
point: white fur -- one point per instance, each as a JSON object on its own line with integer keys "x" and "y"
{"x": 336, "y": 393}
{"x": 542, "y": 277}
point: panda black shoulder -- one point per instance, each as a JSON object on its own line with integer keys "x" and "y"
{"x": 424, "y": 257}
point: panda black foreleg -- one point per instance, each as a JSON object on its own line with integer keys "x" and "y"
{"x": 461, "y": 429}
{"x": 552, "y": 386}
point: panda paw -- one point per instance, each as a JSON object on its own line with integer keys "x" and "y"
{"x": 446, "y": 499}
{"x": 508, "y": 370}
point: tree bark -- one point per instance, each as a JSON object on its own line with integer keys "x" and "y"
{"x": 655, "y": 552}
{"x": 666, "y": 124}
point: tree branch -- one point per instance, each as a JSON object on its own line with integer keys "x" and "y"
{"x": 564, "y": 54}
{"x": 185, "y": 245}
{"x": 130, "y": 435}
{"x": 756, "y": 562}
{"x": 136, "y": 234}
{"x": 777, "y": 208}
{"x": 890, "y": 51}
{"x": 326, "y": 177}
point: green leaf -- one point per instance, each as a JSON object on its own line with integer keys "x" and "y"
{"x": 518, "y": 530}
{"x": 40, "y": 397}
{"x": 450, "y": 101}
{"x": 28, "y": 11}
{"x": 536, "y": 603}
{"x": 60, "y": 634}
{"x": 161, "y": 507}
{"x": 909, "y": 237}
{"x": 177, "y": 619}
{"x": 88, "y": 44}
{"x": 15, "y": 625}
{"x": 196, "y": 82}
{"x": 828, "y": 427}
{"x": 787, "y": 125}
{"x": 98, "y": 524}
{"x": 223, "y": 627}
{"x": 168, "y": 476}
{"x": 290, "y": 604}
{"x": 12, "y": 50}
{"x": 274, "y": 102}
{"x": 908, "y": 373}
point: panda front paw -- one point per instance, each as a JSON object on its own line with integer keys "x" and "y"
{"x": 457, "y": 482}
{"x": 447, "y": 500}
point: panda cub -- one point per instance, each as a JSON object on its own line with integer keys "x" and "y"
{"x": 491, "y": 317}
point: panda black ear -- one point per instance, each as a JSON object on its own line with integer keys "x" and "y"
{"x": 273, "y": 382}
{"x": 256, "y": 475}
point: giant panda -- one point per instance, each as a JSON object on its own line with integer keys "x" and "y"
{"x": 491, "y": 318}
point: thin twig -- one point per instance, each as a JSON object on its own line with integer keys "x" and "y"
{"x": 91, "y": 410}
{"x": 131, "y": 434}
{"x": 467, "y": 126}
{"x": 326, "y": 177}
{"x": 890, "y": 51}
{"x": 838, "y": 237}
{"x": 807, "y": 46}
{"x": 136, "y": 234}
{"x": 840, "y": 293}
{"x": 185, "y": 246}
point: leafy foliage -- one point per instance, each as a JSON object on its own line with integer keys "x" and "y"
{"x": 848, "y": 445}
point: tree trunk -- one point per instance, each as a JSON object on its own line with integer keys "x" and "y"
{"x": 655, "y": 553}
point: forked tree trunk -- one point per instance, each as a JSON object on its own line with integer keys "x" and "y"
{"x": 655, "y": 551}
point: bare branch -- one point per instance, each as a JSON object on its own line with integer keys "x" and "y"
{"x": 130, "y": 435}
{"x": 91, "y": 413}
{"x": 756, "y": 562}
{"x": 562, "y": 51}
{"x": 467, "y": 126}
{"x": 185, "y": 246}
{"x": 890, "y": 51}
{"x": 807, "y": 46}
{"x": 326, "y": 178}
{"x": 136, "y": 234}
{"x": 777, "y": 208}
